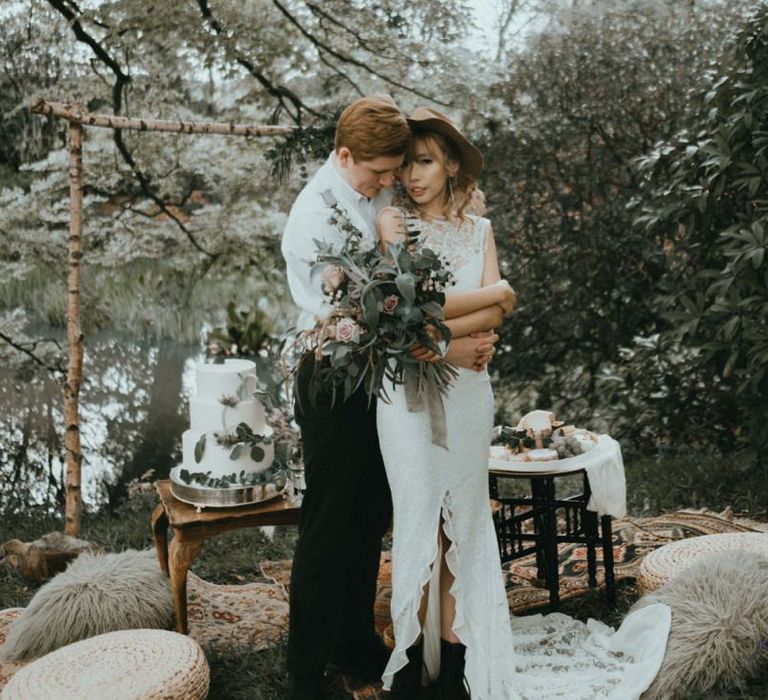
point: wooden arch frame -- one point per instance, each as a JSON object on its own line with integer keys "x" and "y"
{"x": 78, "y": 119}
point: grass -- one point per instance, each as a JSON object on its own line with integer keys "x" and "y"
{"x": 653, "y": 486}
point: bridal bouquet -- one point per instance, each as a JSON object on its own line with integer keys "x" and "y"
{"x": 382, "y": 304}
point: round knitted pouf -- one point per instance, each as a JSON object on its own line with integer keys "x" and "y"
{"x": 139, "y": 664}
{"x": 663, "y": 563}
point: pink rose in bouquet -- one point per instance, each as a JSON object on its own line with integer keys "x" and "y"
{"x": 333, "y": 278}
{"x": 390, "y": 304}
{"x": 347, "y": 331}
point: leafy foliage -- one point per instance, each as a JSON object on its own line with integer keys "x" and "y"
{"x": 660, "y": 398}
{"x": 706, "y": 195}
{"x": 583, "y": 103}
{"x": 246, "y": 333}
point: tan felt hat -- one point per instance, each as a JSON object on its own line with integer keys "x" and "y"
{"x": 428, "y": 119}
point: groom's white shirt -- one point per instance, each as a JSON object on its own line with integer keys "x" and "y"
{"x": 308, "y": 221}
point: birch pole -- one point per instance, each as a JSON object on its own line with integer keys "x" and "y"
{"x": 74, "y": 114}
{"x": 74, "y": 501}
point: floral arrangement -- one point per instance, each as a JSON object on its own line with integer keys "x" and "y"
{"x": 245, "y": 334}
{"x": 383, "y": 302}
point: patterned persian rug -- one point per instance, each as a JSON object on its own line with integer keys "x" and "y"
{"x": 227, "y": 616}
{"x": 633, "y": 538}
{"x": 256, "y": 614}
{"x": 8, "y": 668}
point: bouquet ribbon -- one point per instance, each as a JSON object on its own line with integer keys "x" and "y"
{"x": 422, "y": 393}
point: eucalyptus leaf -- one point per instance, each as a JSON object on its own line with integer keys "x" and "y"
{"x": 199, "y": 449}
{"x": 406, "y": 285}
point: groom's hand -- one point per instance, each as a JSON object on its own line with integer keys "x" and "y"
{"x": 486, "y": 349}
{"x": 473, "y": 351}
{"x": 422, "y": 352}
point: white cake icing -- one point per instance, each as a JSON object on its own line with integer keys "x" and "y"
{"x": 209, "y": 416}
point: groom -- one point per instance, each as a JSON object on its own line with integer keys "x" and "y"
{"x": 347, "y": 505}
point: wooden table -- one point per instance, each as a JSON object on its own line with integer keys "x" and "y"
{"x": 192, "y": 528}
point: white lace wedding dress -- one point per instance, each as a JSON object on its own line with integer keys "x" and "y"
{"x": 527, "y": 658}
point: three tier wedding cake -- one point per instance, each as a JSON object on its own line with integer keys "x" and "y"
{"x": 228, "y": 450}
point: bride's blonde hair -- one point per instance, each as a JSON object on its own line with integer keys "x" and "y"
{"x": 459, "y": 188}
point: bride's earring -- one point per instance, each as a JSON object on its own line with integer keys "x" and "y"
{"x": 451, "y": 198}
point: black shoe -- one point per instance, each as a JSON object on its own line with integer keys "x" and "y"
{"x": 451, "y": 683}
{"x": 302, "y": 689}
{"x": 406, "y": 683}
{"x": 367, "y": 661}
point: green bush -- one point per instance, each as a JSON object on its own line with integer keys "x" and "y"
{"x": 584, "y": 103}
{"x": 705, "y": 193}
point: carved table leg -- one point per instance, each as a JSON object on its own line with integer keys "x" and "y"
{"x": 160, "y": 536}
{"x": 182, "y": 554}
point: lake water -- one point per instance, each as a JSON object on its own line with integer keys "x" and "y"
{"x": 133, "y": 409}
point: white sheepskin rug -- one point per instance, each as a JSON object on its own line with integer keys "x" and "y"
{"x": 96, "y": 594}
{"x": 719, "y": 634}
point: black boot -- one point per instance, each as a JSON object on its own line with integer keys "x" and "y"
{"x": 406, "y": 683}
{"x": 451, "y": 684}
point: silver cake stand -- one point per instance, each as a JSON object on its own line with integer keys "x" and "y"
{"x": 204, "y": 497}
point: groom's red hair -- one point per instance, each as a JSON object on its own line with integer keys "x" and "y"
{"x": 372, "y": 127}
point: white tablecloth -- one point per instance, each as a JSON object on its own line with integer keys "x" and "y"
{"x": 605, "y": 472}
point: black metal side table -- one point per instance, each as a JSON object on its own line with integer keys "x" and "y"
{"x": 542, "y": 508}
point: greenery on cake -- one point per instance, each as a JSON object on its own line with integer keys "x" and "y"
{"x": 242, "y": 439}
{"x": 233, "y": 480}
{"x": 229, "y": 400}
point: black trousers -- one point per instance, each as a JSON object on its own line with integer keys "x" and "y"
{"x": 346, "y": 510}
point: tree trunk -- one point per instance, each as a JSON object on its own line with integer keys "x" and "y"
{"x": 73, "y": 506}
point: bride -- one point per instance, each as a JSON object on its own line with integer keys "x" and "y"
{"x": 449, "y": 607}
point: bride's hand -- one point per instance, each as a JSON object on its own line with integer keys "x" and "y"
{"x": 507, "y": 297}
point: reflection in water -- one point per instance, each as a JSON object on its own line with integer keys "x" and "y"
{"x": 133, "y": 408}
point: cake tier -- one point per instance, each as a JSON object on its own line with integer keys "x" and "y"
{"x": 214, "y": 381}
{"x": 216, "y": 458}
{"x": 210, "y": 415}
